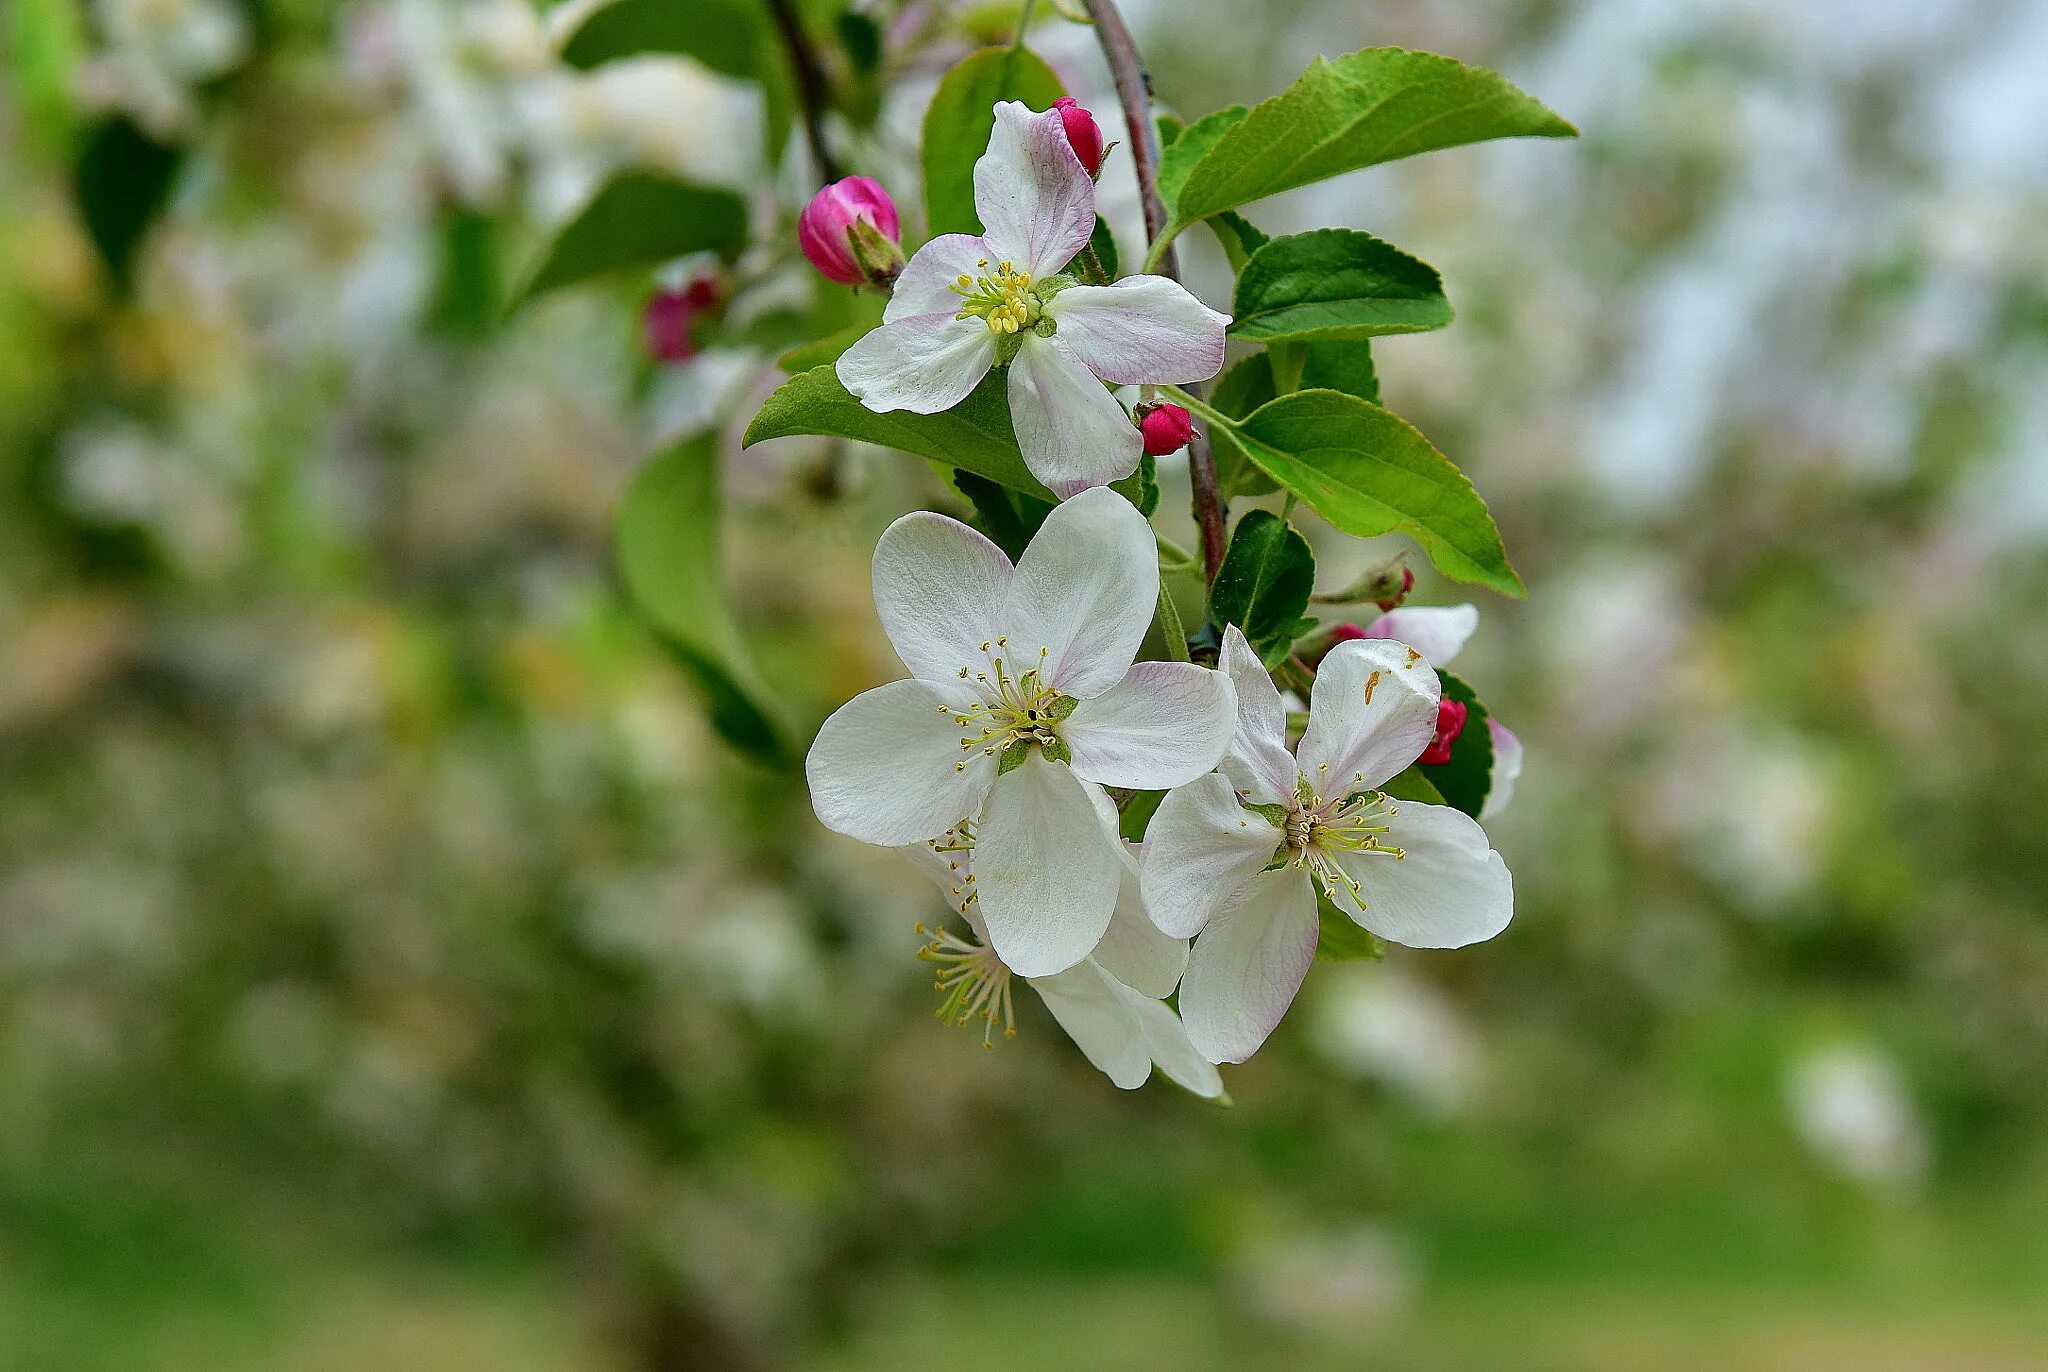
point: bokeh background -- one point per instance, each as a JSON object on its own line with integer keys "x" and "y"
{"x": 396, "y": 971}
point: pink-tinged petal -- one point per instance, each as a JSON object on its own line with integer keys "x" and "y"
{"x": 925, "y": 364}
{"x": 1100, "y": 1016}
{"x": 1258, "y": 763}
{"x": 1244, "y": 970}
{"x": 1083, "y": 595}
{"x": 888, "y": 767}
{"x": 926, "y": 286}
{"x": 1201, "y": 849}
{"x": 1507, "y": 768}
{"x": 1164, "y": 724}
{"x": 1142, "y": 329}
{"x": 1372, "y": 712}
{"x": 1435, "y": 631}
{"x": 1447, "y": 890}
{"x": 1036, "y": 201}
{"x": 1045, "y": 871}
{"x": 1133, "y": 950}
{"x": 1166, "y": 1039}
{"x": 1073, "y": 433}
{"x": 939, "y": 589}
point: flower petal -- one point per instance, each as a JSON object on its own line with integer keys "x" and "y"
{"x": 1036, "y": 201}
{"x": 1245, "y": 968}
{"x": 1140, "y": 329}
{"x": 1164, "y": 724}
{"x": 1507, "y": 768}
{"x": 1450, "y": 888}
{"x": 925, "y": 364}
{"x": 1084, "y": 591}
{"x": 926, "y": 285}
{"x": 1045, "y": 871}
{"x": 939, "y": 590}
{"x": 1258, "y": 763}
{"x": 1201, "y": 849}
{"x": 1099, "y": 1015}
{"x": 1073, "y": 433}
{"x": 1166, "y": 1039}
{"x": 1133, "y": 950}
{"x": 888, "y": 768}
{"x": 1435, "y": 631}
{"x": 1372, "y": 713}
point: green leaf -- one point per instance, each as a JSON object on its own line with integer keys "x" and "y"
{"x": 1369, "y": 472}
{"x": 638, "y": 220}
{"x": 1009, "y": 518}
{"x": 1141, "y": 487}
{"x": 1137, "y": 814}
{"x": 1335, "y": 284}
{"x": 1180, "y": 157}
{"x": 1264, "y": 583}
{"x": 975, "y": 434}
{"x": 822, "y": 352}
{"x": 725, "y": 35}
{"x": 1413, "y": 785}
{"x": 1364, "y": 108}
{"x": 123, "y": 182}
{"x": 1239, "y": 236}
{"x": 1345, "y": 366}
{"x": 961, "y": 117}
{"x": 1468, "y": 776}
{"x": 1339, "y": 937}
{"x": 1103, "y": 244}
{"x": 666, "y": 539}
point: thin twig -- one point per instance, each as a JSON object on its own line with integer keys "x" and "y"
{"x": 810, "y": 84}
{"x": 1134, "y": 93}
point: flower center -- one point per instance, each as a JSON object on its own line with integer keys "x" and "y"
{"x": 1015, "y": 715}
{"x": 1001, "y": 298}
{"x": 1316, "y": 829}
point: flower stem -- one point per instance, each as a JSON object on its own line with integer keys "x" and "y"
{"x": 1134, "y": 93}
{"x": 1170, "y": 627}
{"x": 1023, "y": 23}
{"x": 810, "y": 84}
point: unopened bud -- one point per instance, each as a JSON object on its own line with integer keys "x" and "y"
{"x": 1166, "y": 428}
{"x": 1084, "y": 133}
{"x": 666, "y": 322}
{"x": 1450, "y": 722}
{"x": 849, "y": 232}
{"x": 1386, "y": 586}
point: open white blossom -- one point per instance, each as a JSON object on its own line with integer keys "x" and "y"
{"x": 1234, "y": 859}
{"x": 1023, "y": 689}
{"x": 964, "y": 304}
{"x": 1110, "y": 1002}
{"x": 1438, "y": 632}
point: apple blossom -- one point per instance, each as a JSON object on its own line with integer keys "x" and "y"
{"x": 966, "y": 304}
{"x": 1234, "y": 859}
{"x": 1109, "y": 1002}
{"x": 1023, "y": 689}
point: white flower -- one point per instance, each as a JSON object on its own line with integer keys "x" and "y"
{"x": 964, "y": 304}
{"x": 1438, "y": 632}
{"x": 1109, "y": 1002}
{"x": 1236, "y": 857}
{"x": 1023, "y": 689}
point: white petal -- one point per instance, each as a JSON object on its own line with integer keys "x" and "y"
{"x": 1435, "y": 631}
{"x": 1449, "y": 890}
{"x": 1201, "y": 849}
{"x": 939, "y": 589}
{"x": 1164, "y": 724}
{"x": 1133, "y": 950}
{"x": 1258, "y": 763}
{"x": 1507, "y": 768}
{"x": 926, "y": 363}
{"x": 926, "y": 285}
{"x": 1045, "y": 872}
{"x": 1084, "y": 591}
{"x": 1036, "y": 201}
{"x": 1245, "y": 968}
{"x": 1166, "y": 1039}
{"x": 1073, "y": 433}
{"x": 1372, "y": 713}
{"x": 1100, "y": 1016}
{"x": 887, "y": 767}
{"x": 1141, "y": 329}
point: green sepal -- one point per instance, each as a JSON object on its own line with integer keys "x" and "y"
{"x": 1275, "y": 814}
{"x": 1056, "y": 749}
{"x": 1012, "y": 757}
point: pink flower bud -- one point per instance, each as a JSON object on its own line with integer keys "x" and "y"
{"x": 1086, "y": 136}
{"x": 1407, "y": 585}
{"x": 1450, "y": 722}
{"x": 826, "y": 229}
{"x": 1346, "y": 633}
{"x": 1166, "y": 428}
{"x": 667, "y": 324}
